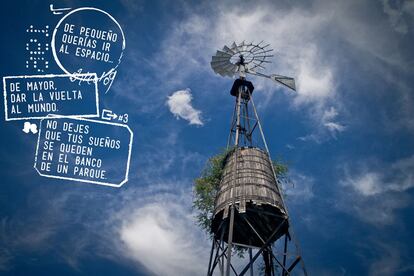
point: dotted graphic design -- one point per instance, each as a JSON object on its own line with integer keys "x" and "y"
{"x": 37, "y": 48}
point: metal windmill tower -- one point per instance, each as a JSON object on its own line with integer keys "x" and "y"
{"x": 249, "y": 210}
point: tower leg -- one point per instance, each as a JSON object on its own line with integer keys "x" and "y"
{"x": 211, "y": 256}
{"x": 250, "y": 259}
{"x": 265, "y": 245}
{"x": 217, "y": 244}
{"x": 230, "y": 240}
{"x": 266, "y": 260}
{"x": 284, "y": 254}
{"x": 231, "y": 225}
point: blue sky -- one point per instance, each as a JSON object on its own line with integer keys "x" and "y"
{"x": 346, "y": 134}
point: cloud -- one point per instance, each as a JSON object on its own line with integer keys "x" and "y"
{"x": 316, "y": 43}
{"x": 315, "y": 79}
{"x": 384, "y": 256}
{"x": 287, "y": 30}
{"x": 399, "y": 14}
{"x": 325, "y": 128}
{"x": 179, "y": 104}
{"x": 398, "y": 177}
{"x": 186, "y": 52}
{"x": 367, "y": 184}
{"x": 35, "y": 227}
{"x": 334, "y": 127}
{"x": 57, "y": 217}
{"x": 159, "y": 231}
{"x": 299, "y": 187}
{"x": 374, "y": 194}
{"x": 389, "y": 261}
{"x": 162, "y": 237}
{"x": 328, "y": 120}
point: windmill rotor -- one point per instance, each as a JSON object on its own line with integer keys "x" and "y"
{"x": 239, "y": 59}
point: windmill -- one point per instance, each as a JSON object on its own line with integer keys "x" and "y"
{"x": 249, "y": 210}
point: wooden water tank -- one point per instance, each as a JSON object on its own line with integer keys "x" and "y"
{"x": 256, "y": 196}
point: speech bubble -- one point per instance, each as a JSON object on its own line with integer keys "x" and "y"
{"x": 84, "y": 150}
{"x": 35, "y": 97}
{"x": 88, "y": 39}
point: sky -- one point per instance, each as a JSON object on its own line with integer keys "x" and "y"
{"x": 346, "y": 134}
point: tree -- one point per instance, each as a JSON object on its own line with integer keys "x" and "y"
{"x": 206, "y": 188}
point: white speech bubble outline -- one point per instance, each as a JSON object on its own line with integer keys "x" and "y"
{"x": 51, "y": 76}
{"x": 84, "y": 180}
{"x": 72, "y": 12}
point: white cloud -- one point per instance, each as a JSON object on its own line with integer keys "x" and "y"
{"x": 374, "y": 195}
{"x": 153, "y": 227}
{"x": 329, "y": 114}
{"x": 161, "y": 236}
{"x": 314, "y": 42}
{"x": 299, "y": 188}
{"x": 367, "y": 184}
{"x": 399, "y": 14}
{"x": 287, "y": 31}
{"x": 334, "y": 127}
{"x": 328, "y": 120}
{"x": 179, "y": 104}
{"x": 315, "y": 80}
{"x": 36, "y": 227}
{"x": 293, "y": 33}
{"x": 397, "y": 177}
{"x": 388, "y": 264}
{"x": 326, "y": 127}
{"x": 386, "y": 256}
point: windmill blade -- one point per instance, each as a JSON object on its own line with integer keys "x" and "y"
{"x": 219, "y": 70}
{"x": 219, "y": 62}
{"x": 257, "y": 65}
{"x": 221, "y": 57}
{"x": 237, "y": 49}
{"x": 257, "y": 46}
{"x": 228, "y": 50}
{"x": 229, "y": 69}
{"x": 223, "y": 54}
{"x": 262, "y": 52}
{"x": 263, "y": 56}
{"x": 222, "y": 64}
{"x": 261, "y": 48}
{"x": 233, "y": 46}
{"x": 286, "y": 81}
{"x": 224, "y": 68}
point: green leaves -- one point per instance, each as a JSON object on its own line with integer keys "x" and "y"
{"x": 206, "y": 188}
